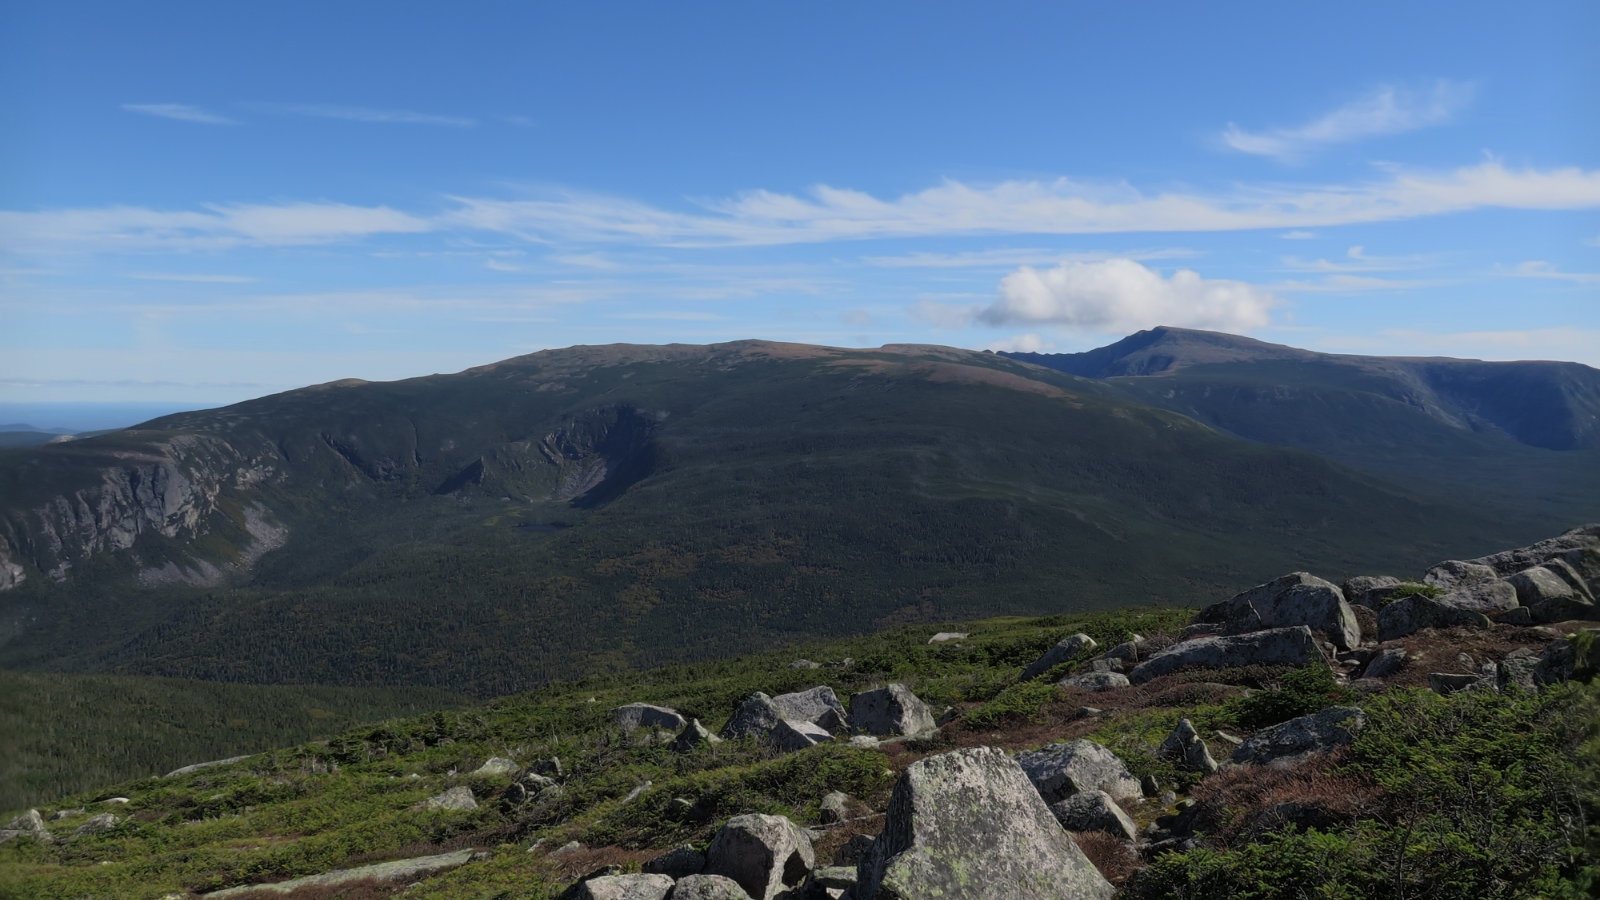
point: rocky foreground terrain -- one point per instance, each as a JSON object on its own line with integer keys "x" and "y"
{"x": 1377, "y": 738}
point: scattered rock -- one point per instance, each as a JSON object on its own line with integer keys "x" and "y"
{"x": 943, "y": 636}
{"x": 890, "y": 710}
{"x": 967, "y": 824}
{"x": 757, "y": 715}
{"x": 551, "y": 767}
{"x": 1186, "y": 747}
{"x": 29, "y": 824}
{"x": 394, "y": 870}
{"x": 1451, "y": 682}
{"x": 1409, "y": 615}
{"x": 708, "y": 887}
{"x": 1095, "y": 681}
{"x": 830, "y": 882}
{"x": 459, "y": 797}
{"x": 1555, "y": 663}
{"x": 1276, "y": 646}
{"x": 97, "y": 824}
{"x": 1369, "y": 590}
{"x": 496, "y": 765}
{"x": 1388, "y": 661}
{"x": 835, "y": 808}
{"x": 692, "y": 737}
{"x": 621, "y": 887}
{"x": 632, "y": 716}
{"x": 820, "y": 706}
{"x": 1062, "y": 652}
{"x": 1520, "y": 616}
{"x": 1517, "y": 671}
{"x": 1296, "y": 739}
{"x": 205, "y": 765}
{"x": 1454, "y": 573}
{"x": 1061, "y": 770}
{"x": 1482, "y": 596}
{"x": 1094, "y": 811}
{"x": 766, "y": 855}
{"x": 791, "y": 736}
{"x": 1537, "y": 584}
{"x": 854, "y": 850}
{"x": 1298, "y": 598}
{"x": 804, "y": 664}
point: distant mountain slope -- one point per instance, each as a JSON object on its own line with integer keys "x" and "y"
{"x": 620, "y": 506}
{"x": 1551, "y": 405}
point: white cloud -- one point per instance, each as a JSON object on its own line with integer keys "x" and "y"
{"x": 1542, "y": 269}
{"x": 220, "y": 226}
{"x": 1062, "y": 206}
{"x": 1358, "y": 260}
{"x": 1298, "y": 235}
{"x": 1121, "y": 295}
{"x": 365, "y": 114}
{"x": 1387, "y": 110}
{"x": 1352, "y": 284}
{"x": 1009, "y": 258}
{"x": 1021, "y": 343}
{"x": 180, "y": 111}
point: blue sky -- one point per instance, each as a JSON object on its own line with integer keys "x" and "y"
{"x": 205, "y": 202}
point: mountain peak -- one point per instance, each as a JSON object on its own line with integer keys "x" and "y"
{"x": 1163, "y": 349}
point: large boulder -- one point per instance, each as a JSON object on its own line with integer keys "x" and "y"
{"x": 1298, "y": 598}
{"x": 693, "y": 737}
{"x": 1094, "y": 811}
{"x": 677, "y": 862}
{"x": 1095, "y": 681}
{"x": 820, "y": 706}
{"x": 632, "y": 716}
{"x": 1386, "y": 662}
{"x": 708, "y": 887}
{"x": 1062, "y": 652}
{"x": 791, "y": 736}
{"x": 1537, "y": 584}
{"x": 1274, "y": 647}
{"x": 967, "y": 825}
{"x": 1297, "y": 739}
{"x": 29, "y": 824}
{"x": 1454, "y": 573}
{"x": 1578, "y": 550}
{"x": 1061, "y": 770}
{"x": 1487, "y": 597}
{"x": 1409, "y": 615}
{"x": 890, "y": 710}
{"x": 1185, "y": 747}
{"x": 1369, "y": 590}
{"x": 622, "y": 887}
{"x": 757, "y": 715}
{"x": 766, "y": 855}
{"x": 459, "y": 797}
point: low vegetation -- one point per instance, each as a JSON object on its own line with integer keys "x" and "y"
{"x": 1472, "y": 795}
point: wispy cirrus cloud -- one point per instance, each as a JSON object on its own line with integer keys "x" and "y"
{"x": 364, "y": 114}
{"x": 1357, "y": 259}
{"x": 1061, "y": 206}
{"x": 1538, "y": 268}
{"x": 1385, "y": 111}
{"x": 214, "y": 227}
{"x": 182, "y": 112}
{"x": 1010, "y": 258}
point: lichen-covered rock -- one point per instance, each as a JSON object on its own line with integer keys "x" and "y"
{"x": 1298, "y": 598}
{"x": 1486, "y": 597}
{"x": 1454, "y": 573}
{"x": 97, "y": 824}
{"x": 756, "y": 715}
{"x": 632, "y": 716}
{"x": 944, "y": 636}
{"x": 459, "y": 797}
{"x": 29, "y": 824}
{"x": 496, "y": 765}
{"x": 1369, "y": 590}
{"x": 1274, "y": 647}
{"x": 1185, "y": 746}
{"x": 708, "y": 887}
{"x": 1576, "y": 551}
{"x": 623, "y": 887}
{"x": 1537, "y": 584}
{"x": 1388, "y": 661}
{"x": 1094, "y": 811}
{"x": 692, "y": 737}
{"x": 766, "y": 855}
{"x": 1063, "y": 651}
{"x": 890, "y": 710}
{"x": 820, "y": 706}
{"x": 967, "y": 825}
{"x": 1061, "y": 770}
{"x": 1296, "y": 739}
{"x": 791, "y": 736}
{"x": 1409, "y": 615}
{"x": 1095, "y": 681}
{"x": 835, "y": 808}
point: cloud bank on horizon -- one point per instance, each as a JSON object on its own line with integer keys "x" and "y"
{"x": 403, "y": 199}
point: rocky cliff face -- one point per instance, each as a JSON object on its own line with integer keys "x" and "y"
{"x": 177, "y": 488}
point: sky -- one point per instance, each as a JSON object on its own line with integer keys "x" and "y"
{"x": 206, "y": 202}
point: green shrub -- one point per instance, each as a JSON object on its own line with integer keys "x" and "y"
{"x": 1020, "y": 702}
{"x": 1298, "y": 692}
